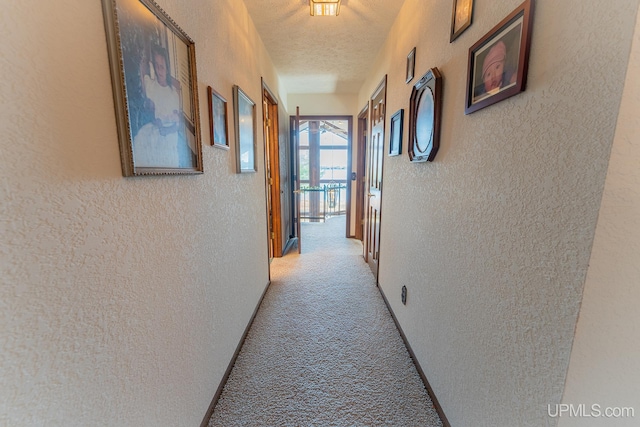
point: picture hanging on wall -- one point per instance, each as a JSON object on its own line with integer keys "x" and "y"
{"x": 411, "y": 65}
{"x": 461, "y": 17}
{"x": 424, "y": 117}
{"x": 153, "y": 73}
{"x": 218, "y": 119}
{"x": 498, "y": 62}
{"x": 395, "y": 139}
{"x": 245, "y": 127}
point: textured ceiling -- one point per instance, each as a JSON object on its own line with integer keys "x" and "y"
{"x": 317, "y": 54}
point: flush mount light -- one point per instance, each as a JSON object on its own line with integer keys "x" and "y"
{"x": 324, "y": 7}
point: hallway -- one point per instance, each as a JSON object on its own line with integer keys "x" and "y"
{"x": 323, "y": 349}
{"x": 125, "y": 299}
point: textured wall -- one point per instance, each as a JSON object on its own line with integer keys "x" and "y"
{"x": 493, "y": 239}
{"x": 604, "y": 367}
{"x": 122, "y": 300}
{"x": 322, "y": 104}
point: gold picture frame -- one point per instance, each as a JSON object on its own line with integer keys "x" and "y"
{"x": 155, "y": 91}
{"x": 461, "y": 17}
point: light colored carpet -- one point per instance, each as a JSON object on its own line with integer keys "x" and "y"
{"x": 323, "y": 349}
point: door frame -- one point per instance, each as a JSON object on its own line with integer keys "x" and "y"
{"x": 272, "y": 171}
{"x": 361, "y": 150}
{"x": 349, "y": 120}
{"x": 294, "y": 161}
{"x": 382, "y": 87}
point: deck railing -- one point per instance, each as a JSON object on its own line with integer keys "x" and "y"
{"x": 318, "y": 203}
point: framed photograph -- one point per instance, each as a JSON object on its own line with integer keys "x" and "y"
{"x": 153, "y": 72}
{"x": 218, "y": 119}
{"x": 424, "y": 117}
{"x": 498, "y": 62}
{"x": 411, "y": 64}
{"x": 245, "y": 126}
{"x": 395, "y": 140}
{"x": 461, "y": 17}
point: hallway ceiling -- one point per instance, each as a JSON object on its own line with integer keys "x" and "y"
{"x": 323, "y": 54}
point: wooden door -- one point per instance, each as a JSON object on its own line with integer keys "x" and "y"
{"x": 268, "y": 179}
{"x": 361, "y": 150}
{"x": 272, "y": 175}
{"x": 375, "y": 158}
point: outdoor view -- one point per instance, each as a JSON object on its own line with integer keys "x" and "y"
{"x": 323, "y": 160}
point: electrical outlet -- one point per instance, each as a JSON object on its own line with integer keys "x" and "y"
{"x": 404, "y": 295}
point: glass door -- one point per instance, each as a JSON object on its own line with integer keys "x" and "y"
{"x": 323, "y": 159}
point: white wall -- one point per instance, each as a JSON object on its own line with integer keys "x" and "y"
{"x": 604, "y": 368}
{"x": 122, "y": 300}
{"x": 322, "y": 104}
{"x": 493, "y": 239}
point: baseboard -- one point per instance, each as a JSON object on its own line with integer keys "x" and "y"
{"x": 434, "y": 399}
{"x": 214, "y": 401}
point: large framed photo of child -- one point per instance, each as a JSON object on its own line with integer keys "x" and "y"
{"x": 498, "y": 62}
{"x": 153, "y": 73}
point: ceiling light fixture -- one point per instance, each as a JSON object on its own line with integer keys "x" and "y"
{"x": 324, "y": 7}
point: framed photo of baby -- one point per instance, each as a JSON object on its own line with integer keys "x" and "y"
{"x": 153, "y": 74}
{"x": 498, "y": 62}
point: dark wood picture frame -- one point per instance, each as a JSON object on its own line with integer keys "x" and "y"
{"x": 498, "y": 62}
{"x": 395, "y": 133}
{"x": 424, "y": 117}
{"x": 218, "y": 119}
{"x": 155, "y": 89}
{"x": 245, "y": 130}
{"x": 461, "y": 17}
{"x": 411, "y": 65}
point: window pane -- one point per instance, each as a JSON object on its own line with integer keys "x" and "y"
{"x": 333, "y": 165}
{"x": 304, "y": 164}
{"x": 304, "y": 133}
{"x": 333, "y": 132}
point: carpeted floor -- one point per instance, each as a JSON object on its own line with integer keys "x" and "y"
{"x": 323, "y": 349}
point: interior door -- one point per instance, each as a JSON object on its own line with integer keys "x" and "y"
{"x": 363, "y": 133}
{"x": 296, "y": 176}
{"x": 375, "y": 158}
{"x": 268, "y": 177}
{"x": 272, "y": 172}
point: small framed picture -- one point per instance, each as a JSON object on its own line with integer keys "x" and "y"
{"x": 218, "y": 119}
{"x": 498, "y": 62}
{"x": 395, "y": 140}
{"x": 245, "y": 127}
{"x": 461, "y": 17}
{"x": 155, "y": 90}
{"x": 411, "y": 64}
{"x": 424, "y": 117}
